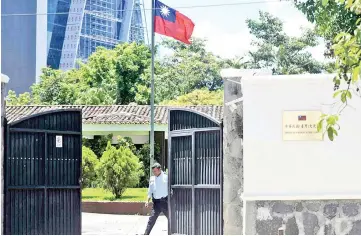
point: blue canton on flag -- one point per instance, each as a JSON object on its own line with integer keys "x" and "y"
{"x": 165, "y": 12}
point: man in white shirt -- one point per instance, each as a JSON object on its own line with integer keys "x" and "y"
{"x": 158, "y": 192}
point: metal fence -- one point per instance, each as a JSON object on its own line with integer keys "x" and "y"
{"x": 195, "y": 173}
{"x": 42, "y": 174}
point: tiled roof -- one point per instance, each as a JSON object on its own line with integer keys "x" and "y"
{"x": 115, "y": 114}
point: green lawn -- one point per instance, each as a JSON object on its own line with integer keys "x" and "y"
{"x": 130, "y": 195}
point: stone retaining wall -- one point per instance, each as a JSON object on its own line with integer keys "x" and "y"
{"x": 120, "y": 208}
{"x": 305, "y": 217}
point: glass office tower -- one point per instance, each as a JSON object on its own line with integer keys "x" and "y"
{"x": 58, "y": 12}
{"x": 137, "y": 27}
{"x": 79, "y": 26}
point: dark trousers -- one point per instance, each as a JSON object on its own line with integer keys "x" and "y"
{"x": 159, "y": 206}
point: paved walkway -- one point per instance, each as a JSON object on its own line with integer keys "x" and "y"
{"x": 95, "y": 224}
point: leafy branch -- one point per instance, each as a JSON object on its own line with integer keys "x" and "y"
{"x": 347, "y": 51}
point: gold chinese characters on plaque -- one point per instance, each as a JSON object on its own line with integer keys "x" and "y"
{"x": 301, "y": 126}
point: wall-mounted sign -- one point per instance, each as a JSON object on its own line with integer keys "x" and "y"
{"x": 301, "y": 126}
{"x": 59, "y": 141}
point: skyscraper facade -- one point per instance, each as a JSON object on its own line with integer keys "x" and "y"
{"x": 83, "y": 25}
{"x": 23, "y": 42}
{"x": 58, "y": 14}
{"x": 56, "y": 33}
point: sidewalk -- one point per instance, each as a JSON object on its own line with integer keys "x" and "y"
{"x": 95, "y": 224}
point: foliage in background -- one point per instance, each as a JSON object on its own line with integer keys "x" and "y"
{"x": 21, "y": 100}
{"x": 126, "y": 142}
{"x": 58, "y": 87}
{"x": 98, "y": 144}
{"x": 122, "y": 75}
{"x": 329, "y": 19}
{"x": 55, "y": 88}
{"x": 89, "y": 163}
{"x": 118, "y": 170}
{"x": 279, "y": 52}
{"x": 131, "y": 63}
{"x": 198, "y": 97}
{"x": 187, "y": 68}
{"x": 346, "y": 50}
{"x": 144, "y": 157}
{"x": 184, "y": 69}
{"x": 110, "y": 76}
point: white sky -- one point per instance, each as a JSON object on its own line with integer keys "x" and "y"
{"x": 225, "y": 26}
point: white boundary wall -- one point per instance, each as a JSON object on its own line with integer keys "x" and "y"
{"x": 288, "y": 170}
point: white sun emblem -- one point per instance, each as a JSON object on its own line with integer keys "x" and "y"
{"x": 164, "y": 11}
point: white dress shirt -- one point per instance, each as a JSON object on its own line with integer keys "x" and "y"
{"x": 158, "y": 186}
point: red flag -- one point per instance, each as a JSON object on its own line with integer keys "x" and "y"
{"x": 172, "y": 23}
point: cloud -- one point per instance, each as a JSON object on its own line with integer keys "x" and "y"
{"x": 292, "y": 18}
{"x": 224, "y": 44}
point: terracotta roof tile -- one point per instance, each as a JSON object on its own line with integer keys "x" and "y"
{"x": 113, "y": 114}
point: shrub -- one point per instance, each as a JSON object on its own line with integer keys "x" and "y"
{"x": 89, "y": 163}
{"x": 126, "y": 142}
{"x": 118, "y": 170}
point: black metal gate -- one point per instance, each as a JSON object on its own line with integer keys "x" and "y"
{"x": 42, "y": 174}
{"x": 195, "y": 173}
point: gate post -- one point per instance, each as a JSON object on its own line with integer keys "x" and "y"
{"x": 4, "y": 80}
{"x": 233, "y": 207}
{"x": 232, "y": 157}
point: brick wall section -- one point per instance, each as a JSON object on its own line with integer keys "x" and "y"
{"x": 120, "y": 208}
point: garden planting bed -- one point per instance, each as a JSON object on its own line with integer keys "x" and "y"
{"x": 112, "y": 207}
{"x": 132, "y": 202}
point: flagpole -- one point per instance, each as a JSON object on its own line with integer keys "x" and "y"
{"x": 152, "y": 94}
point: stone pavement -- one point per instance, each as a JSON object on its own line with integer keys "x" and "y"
{"x": 95, "y": 224}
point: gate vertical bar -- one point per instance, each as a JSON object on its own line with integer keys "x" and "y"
{"x": 5, "y": 219}
{"x": 221, "y": 178}
{"x": 45, "y": 183}
{"x": 170, "y": 163}
{"x": 81, "y": 173}
{"x": 193, "y": 184}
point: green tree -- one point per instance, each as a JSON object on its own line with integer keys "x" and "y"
{"x": 22, "y": 99}
{"x": 235, "y": 63}
{"x": 279, "y": 52}
{"x": 329, "y": 19}
{"x": 188, "y": 67}
{"x": 131, "y": 62}
{"x": 110, "y": 76}
{"x": 198, "y": 97}
{"x": 99, "y": 76}
{"x": 89, "y": 163}
{"x": 98, "y": 144}
{"x": 118, "y": 170}
{"x": 57, "y": 87}
{"x": 127, "y": 143}
{"x": 347, "y": 51}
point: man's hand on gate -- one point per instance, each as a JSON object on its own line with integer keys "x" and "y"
{"x": 146, "y": 204}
